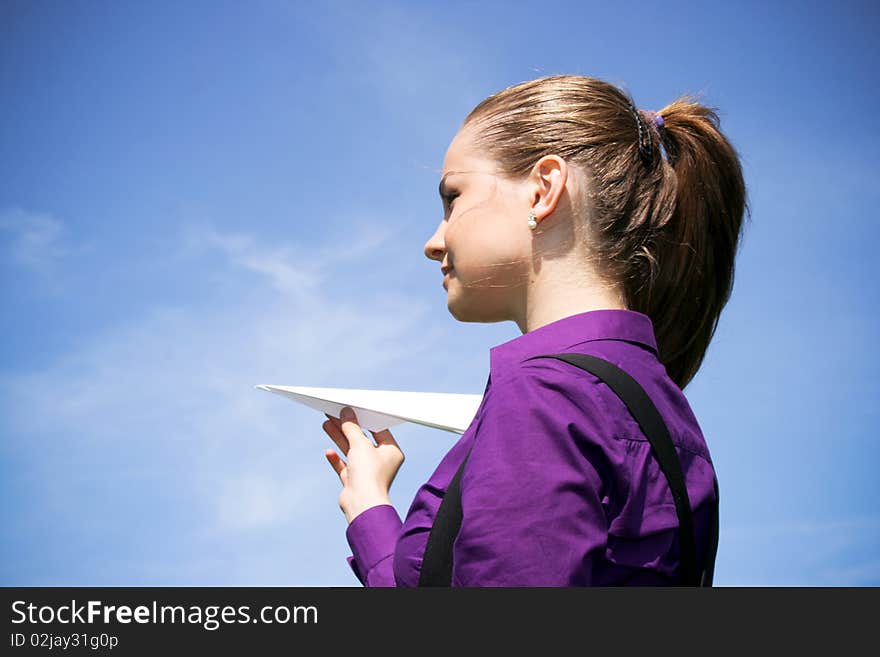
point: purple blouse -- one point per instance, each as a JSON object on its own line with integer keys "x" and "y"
{"x": 561, "y": 488}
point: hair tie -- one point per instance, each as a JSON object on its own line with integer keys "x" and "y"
{"x": 658, "y": 120}
{"x": 646, "y": 139}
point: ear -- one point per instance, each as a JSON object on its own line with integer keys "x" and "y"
{"x": 548, "y": 177}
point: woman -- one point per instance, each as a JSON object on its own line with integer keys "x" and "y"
{"x": 563, "y": 214}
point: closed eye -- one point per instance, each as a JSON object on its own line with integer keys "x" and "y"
{"x": 448, "y": 199}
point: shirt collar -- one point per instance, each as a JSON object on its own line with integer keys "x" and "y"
{"x": 557, "y": 336}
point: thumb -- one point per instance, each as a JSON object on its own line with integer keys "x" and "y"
{"x": 384, "y": 437}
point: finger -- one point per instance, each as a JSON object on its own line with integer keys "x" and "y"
{"x": 335, "y": 420}
{"x": 337, "y": 436}
{"x": 352, "y": 430}
{"x": 335, "y": 461}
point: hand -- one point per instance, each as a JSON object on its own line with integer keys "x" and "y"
{"x": 369, "y": 470}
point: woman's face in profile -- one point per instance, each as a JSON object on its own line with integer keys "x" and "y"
{"x": 483, "y": 236}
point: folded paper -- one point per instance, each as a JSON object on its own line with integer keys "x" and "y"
{"x": 380, "y": 409}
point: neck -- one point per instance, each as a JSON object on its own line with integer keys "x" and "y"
{"x": 554, "y": 295}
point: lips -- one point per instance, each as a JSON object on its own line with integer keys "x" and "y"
{"x": 446, "y": 274}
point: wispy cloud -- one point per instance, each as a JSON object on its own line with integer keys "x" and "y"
{"x": 166, "y": 400}
{"x": 33, "y": 240}
{"x": 297, "y": 269}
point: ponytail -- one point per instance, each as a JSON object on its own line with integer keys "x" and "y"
{"x": 689, "y": 277}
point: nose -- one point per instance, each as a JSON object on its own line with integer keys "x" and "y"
{"x": 435, "y": 247}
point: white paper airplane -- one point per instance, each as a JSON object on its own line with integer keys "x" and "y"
{"x": 379, "y": 409}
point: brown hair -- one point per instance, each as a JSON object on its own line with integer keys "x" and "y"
{"x": 665, "y": 230}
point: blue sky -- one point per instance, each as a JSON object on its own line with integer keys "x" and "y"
{"x": 199, "y": 197}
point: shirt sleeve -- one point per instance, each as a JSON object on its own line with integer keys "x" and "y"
{"x": 532, "y": 512}
{"x": 372, "y": 536}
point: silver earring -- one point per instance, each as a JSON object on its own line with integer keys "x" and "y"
{"x": 532, "y": 223}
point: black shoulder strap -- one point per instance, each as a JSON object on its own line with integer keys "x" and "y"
{"x": 437, "y": 560}
{"x": 709, "y": 570}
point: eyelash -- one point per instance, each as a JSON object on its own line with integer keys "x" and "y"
{"x": 449, "y": 198}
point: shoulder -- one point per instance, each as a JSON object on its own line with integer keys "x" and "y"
{"x": 546, "y": 404}
{"x": 541, "y": 433}
{"x": 543, "y": 379}
{"x": 554, "y": 393}
{"x": 533, "y": 386}
{"x": 591, "y": 391}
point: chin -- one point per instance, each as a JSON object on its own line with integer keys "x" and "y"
{"x": 472, "y": 312}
